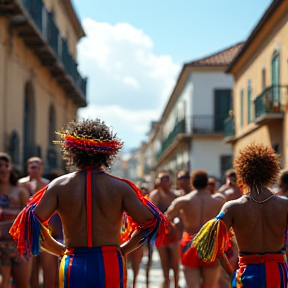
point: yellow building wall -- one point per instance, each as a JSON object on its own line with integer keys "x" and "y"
{"x": 19, "y": 66}
{"x": 272, "y": 37}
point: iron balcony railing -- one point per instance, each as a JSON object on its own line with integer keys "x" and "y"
{"x": 179, "y": 128}
{"x": 205, "y": 124}
{"x": 269, "y": 100}
{"x": 229, "y": 127}
{"x": 46, "y": 24}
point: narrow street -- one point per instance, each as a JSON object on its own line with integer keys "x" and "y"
{"x": 156, "y": 276}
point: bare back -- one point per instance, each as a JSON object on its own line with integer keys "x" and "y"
{"x": 196, "y": 208}
{"x": 259, "y": 228}
{"x": 110, "y": 198}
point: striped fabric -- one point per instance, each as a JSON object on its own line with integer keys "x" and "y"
{"x": 262, "y": 271}
{"x": 92, "y": 267}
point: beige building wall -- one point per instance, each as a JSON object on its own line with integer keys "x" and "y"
{"x": 19, "y": 66}
{"x": 272, "y": 38}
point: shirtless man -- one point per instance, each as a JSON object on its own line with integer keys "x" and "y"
{"x": 195, "y": 209}
{"x": 259, "y": 220}
{"x": 48, "y": 262}
{"x": 90, "y": 203}
{"x": 169, "y": 251}
{"x": 230, "y": 189}
{"x": 183, "y": 180}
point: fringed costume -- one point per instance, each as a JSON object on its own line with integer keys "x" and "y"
{"x": 88, "y": 266}
{"x": 255, "y": 270}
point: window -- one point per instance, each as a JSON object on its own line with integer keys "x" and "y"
{"x": 222, "y": 106}
{"x": 263, "y": 79}
{"x": 226, "y": 163}
{"x": 249, "y": 91}
{"x": 242, "y": 108}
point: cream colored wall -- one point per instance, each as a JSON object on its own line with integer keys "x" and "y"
{"x": 64, "y": 24}
{"x": 253, "y": 70}
{"x": 273, "y": 37}
{"x": 22, "y": 67}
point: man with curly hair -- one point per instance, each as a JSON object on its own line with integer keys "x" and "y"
{"x": 90, "y": 203}
{"x": 259, "y": 220}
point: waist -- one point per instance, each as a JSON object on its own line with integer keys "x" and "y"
{"x": 91, "y": 250}
{"x": 261, "y": 258}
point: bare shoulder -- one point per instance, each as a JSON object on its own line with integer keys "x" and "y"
{"x": 233, "y": 204}
{"x": 61, "y": 181}
{"x": 153, "y": 194}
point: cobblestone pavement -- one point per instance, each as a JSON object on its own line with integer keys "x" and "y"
{"x": 156, "y": 276}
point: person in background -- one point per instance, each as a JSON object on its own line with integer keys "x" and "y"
{"x": 211, "y": 186}
{"x": 230, "y": 189}
{"x": 283, "y": 184}
{"x": 183, "y": 181}
{"x": 12, "y": 199}
{"x": 195, "y": 209}
{"x": 169, "y": 249}
{"x": 48, "y": 262}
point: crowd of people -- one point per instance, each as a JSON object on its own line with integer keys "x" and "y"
{"x": 189, "y": 225}
{"x": 14, "y": 194}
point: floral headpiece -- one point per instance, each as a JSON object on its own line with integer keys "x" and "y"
{"x": 95, "y": 145}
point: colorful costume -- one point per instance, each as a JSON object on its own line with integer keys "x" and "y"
{"x": 262, "y": 270}
{"x": 86, "y": 265}
{"x": 267, "y": 270}
{"x": 8, "y": 249}
{"x": 189, "y": 256}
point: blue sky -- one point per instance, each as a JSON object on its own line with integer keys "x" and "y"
{"x": 135, "y": 49}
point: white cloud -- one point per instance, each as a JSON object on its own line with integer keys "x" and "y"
{"x": 128, "y": 85}
{"x": 130, "y": 81}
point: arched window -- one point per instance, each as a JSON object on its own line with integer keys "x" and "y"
{"x": 29, "y": 147}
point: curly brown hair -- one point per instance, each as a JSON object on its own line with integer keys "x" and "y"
{"x": 257, "y": 165}
{"x": 199, "y": 179}
{"x": 89, "y": 129}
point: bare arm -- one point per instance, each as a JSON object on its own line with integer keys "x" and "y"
{"x": 173, "y": 210}
{"x": 227, "y": 210}
{"x": 140, "y": 213}
{"x": 44, "y": 211}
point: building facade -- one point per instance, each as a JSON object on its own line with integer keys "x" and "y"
{"x": 190, "y": 132}
{"x": 260, "y": 85}
{"x": 40, "y": 86}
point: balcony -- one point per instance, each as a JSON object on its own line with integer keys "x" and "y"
{"x": 179, "y": 128}
{"x": 207, "y": 124}
{"x": 229, "y": 129}
{"x": 268, "y": 105}
{"x": 36, "y": 26}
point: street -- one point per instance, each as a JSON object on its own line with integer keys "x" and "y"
{"x": 156, "y": 276}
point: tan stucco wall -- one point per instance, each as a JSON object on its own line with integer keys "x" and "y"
{"x": 18, "y": 66}
{"x": 269, "y": 135}
{"x": 272, "y": 37}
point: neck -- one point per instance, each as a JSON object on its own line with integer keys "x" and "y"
{"x": 37, "y": 179}
{"x": 203, "y": 191}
